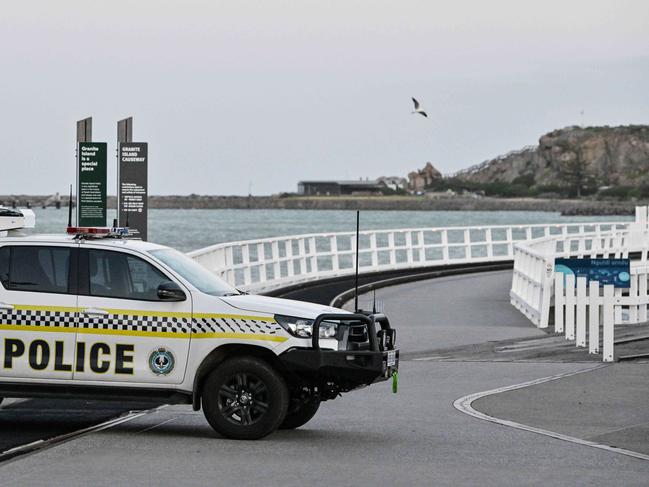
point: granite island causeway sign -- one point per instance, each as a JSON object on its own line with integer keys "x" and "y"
{"x": 132, "y": 186}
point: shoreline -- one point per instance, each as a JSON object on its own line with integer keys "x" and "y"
{"x": 377, "y": 203}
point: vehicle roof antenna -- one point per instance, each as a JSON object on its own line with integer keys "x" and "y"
{"x": 70, "y": 208}
{"x": 358, "y": 220}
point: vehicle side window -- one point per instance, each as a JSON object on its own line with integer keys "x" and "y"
{"x": 4, "y": 265}
{"x": 123, "y": 276}
{"x": 35, "y": 269}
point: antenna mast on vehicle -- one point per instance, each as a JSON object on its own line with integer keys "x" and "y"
{"x": 70, "y": 208}
{"x": 358, "y": 219}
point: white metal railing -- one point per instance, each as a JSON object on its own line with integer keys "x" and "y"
{"x": 271, "y": 263}
{"x": 533, "y": 276}
{"x": 536, "y": 287}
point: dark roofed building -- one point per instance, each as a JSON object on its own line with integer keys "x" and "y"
{"x": 338, "y": 188}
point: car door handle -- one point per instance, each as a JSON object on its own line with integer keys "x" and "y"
{"x": 95, "y": 312}
{"x": 6, "y": 307}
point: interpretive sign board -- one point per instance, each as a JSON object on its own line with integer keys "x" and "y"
{"x": 133, "y": 186}
{"x": 91, "y": 180}
{"x": 604, "y": 271}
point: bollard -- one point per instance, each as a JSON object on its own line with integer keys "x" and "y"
{"x": 609, "y": 319}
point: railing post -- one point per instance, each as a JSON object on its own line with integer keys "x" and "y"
{"x": 633, "y": 299}
{"x": 313, "y": 255}
{"x": 581, "y": 311}
{"x": 245, "y": 262}
{"x": 288, "y": 245}
{"x": 392, "y": 251}
{"x": 261, "y": 257}
{"x": 444, "y": 242}
{"x": 374, "y": 251}
{"x": 277, "y": 268}
{"x": 609, "y": 322}
{"x": 642, "y": 296}
{"x": 409, "y": 252}
{"x": 546, "y": 293}
{"x": 422, "y": 248}
{"x": 334, "y": 254}
{"x": 467, "y": 244}
{"x": 559, "y": 302}
{"x": 570, "y": 307}
{"x": 302, "y": 255}
{"x": 489, "y": 242}
{"x": 510, "y": 241}
{"x": 617, "y": 313}
{"x": 593, "y": 317}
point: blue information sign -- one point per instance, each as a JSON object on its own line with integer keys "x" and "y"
{"x": 604, "y": 271}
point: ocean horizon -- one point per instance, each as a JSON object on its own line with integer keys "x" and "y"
{"x": 191, "y": 229}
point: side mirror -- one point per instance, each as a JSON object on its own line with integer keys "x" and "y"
{"x": 170, "y": 291}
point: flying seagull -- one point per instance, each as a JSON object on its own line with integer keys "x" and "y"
{"x": 417, "y": 109}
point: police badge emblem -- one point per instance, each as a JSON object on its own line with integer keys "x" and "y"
{"x": 161, "y": 361}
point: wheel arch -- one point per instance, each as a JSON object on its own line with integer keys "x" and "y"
{"x": 222, "y": 353}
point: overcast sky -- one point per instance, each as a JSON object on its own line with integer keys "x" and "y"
{"x": 239, "y": 94}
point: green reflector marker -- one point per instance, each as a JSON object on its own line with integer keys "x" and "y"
{"x": 395, "y": 381}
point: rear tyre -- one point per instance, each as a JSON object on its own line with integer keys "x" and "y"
{"x": 244, "y": 398}
{"x": 300, "y": 415}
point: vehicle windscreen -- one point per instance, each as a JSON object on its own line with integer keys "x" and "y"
{"x": 194, "y": 273}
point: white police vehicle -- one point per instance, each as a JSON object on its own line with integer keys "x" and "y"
{"x": 95, "y": 315}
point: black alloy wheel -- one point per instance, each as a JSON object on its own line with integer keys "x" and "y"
{"x": 245, "y": 398}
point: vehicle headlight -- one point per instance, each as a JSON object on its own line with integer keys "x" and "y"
{"x": 303, "y": 327}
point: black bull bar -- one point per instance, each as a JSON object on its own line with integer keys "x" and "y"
{"x": 348, "y": 369}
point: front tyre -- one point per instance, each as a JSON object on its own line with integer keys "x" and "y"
{"x": 300, "y": 415}
{"x": 244, "y": 398}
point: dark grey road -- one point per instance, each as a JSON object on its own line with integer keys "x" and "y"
{"x": 26, "y": 421}
{"x": 607, "y": 406}
{"x": 369, "y": 437}
{"x": 453, "y": 311}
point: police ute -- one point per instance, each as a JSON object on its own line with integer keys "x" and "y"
{"x": 93, "y": 313}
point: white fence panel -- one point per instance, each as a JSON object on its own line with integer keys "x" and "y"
{"x": 581, "y": 306}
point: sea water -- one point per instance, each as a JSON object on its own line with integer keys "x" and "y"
{"x": 193, "y": 229}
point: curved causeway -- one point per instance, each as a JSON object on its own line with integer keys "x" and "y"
{"x": 450, "y": 330}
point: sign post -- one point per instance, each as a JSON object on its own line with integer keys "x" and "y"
{"x": 91, "y": 177}
{"x": 91, "y": 190}
{"x": 132, "y": 184}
